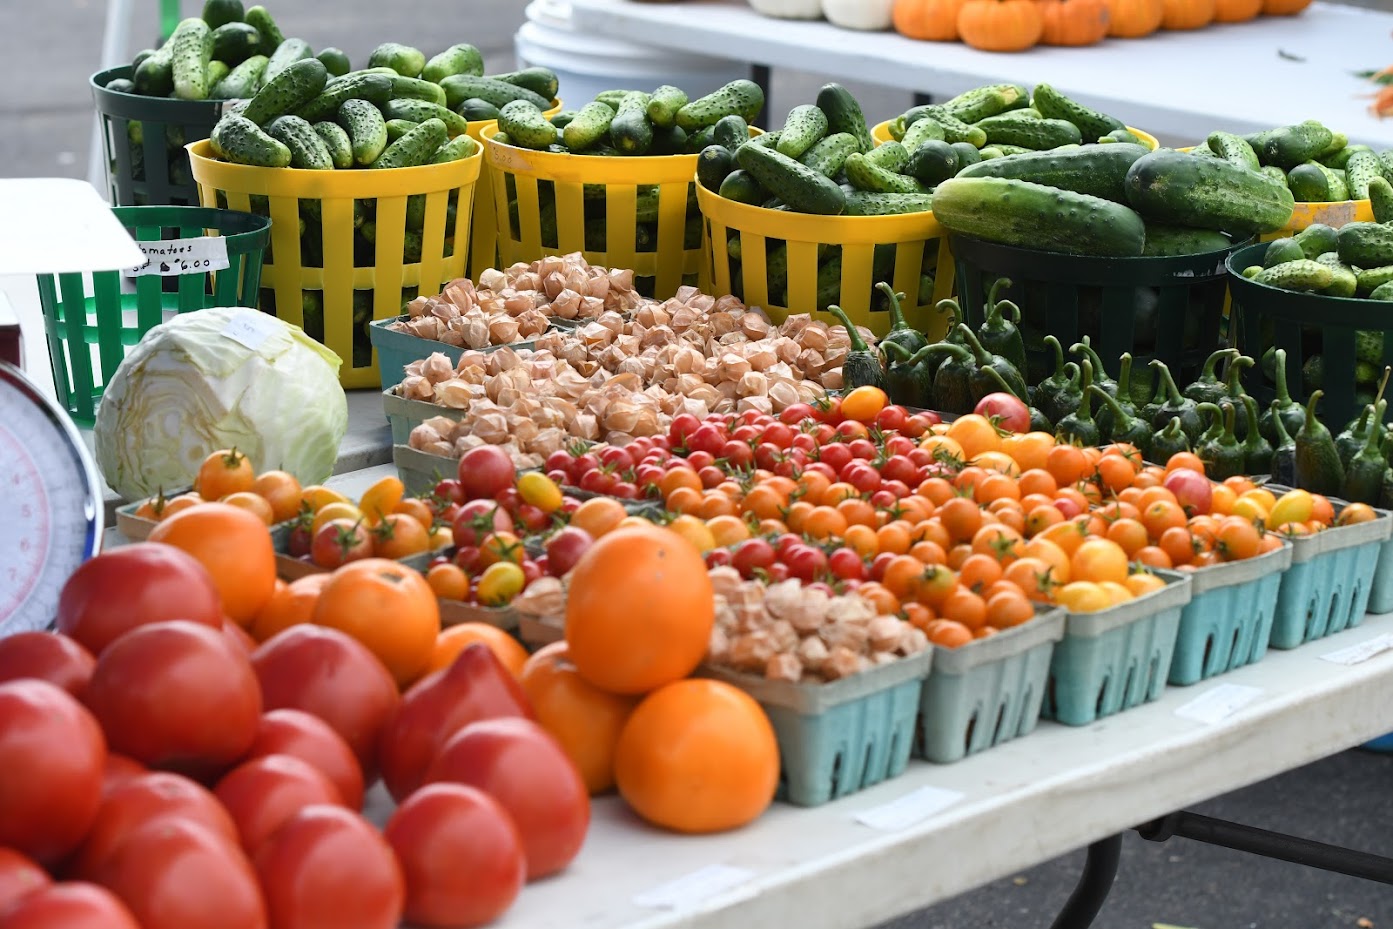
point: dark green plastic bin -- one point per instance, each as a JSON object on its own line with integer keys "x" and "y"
{"x": 1306, "y": 324}
{"x": 143, "y": 141}
{"x": 1167, "y": 308}
{"x": 114, "y": 317}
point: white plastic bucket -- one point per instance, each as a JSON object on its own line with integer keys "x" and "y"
{"x": 587, "y": 64}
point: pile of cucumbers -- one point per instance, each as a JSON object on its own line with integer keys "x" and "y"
{"x": 1317, "y": 164}
{"x": 1354, "y": 261}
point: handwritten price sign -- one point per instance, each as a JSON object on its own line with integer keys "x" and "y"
{"x": 173, "y": 257}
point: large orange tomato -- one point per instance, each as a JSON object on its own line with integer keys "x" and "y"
{"x": 584, "y": 719}
{"x": 698, "y": 756}
{"x": 389, "y": 608}
{"x": 290, "y": 605}
{"x": 456, "y": 639}
{"x": 234, "y": 546}
{"x": 639, "y": 610}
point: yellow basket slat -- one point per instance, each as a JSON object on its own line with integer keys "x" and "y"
{"x": 338, "y": 275}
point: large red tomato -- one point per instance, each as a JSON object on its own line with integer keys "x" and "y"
{"x": 176, "y": 695}
{"x": 141, "y": 800}
{"x": 69, "y": 906}
{"x": 51, "y": 758}
{"x": 311, "y": 739}
{"x": 264, "y": 793}
{"x": 461, "y": 855}
{"x": 328, "y": 868}
{"x": 47, "y": 657}
{"x": 475, "y": 686}
{"x": 19, "y": 877}
{"x": 329, "y": 674}
{"x": 520, "y": 765}
{"x": 134, "y": 585}
{"x": 118, "y": 771}
{"x": 485, "y": 472}
{"x": 176, "y": 874}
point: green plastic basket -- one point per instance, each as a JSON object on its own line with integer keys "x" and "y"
{"x": 988, "y": 691}
{"x": 1166, "y": 308}
{"x": 1117, "y": 658}
{"x": 1228, "y": 621}
{"x": 143, "y": 142}
{"x": 111, "y": 319}
{"x": 840, "y": 737}
{"x": 1305, "y": 325}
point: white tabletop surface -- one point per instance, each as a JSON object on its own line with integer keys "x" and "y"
{"x": 58, "y": 225}
{"x": 1245, "y": 77}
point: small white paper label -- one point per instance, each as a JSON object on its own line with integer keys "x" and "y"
{"x": 1219, "y": 703}
{"x": 251, "y": 327}
{"x": 909, "y": 810}
{"x": 1356, "y": 654}
{"x": 690, "y": 889}
{"x": 173, "y": 257}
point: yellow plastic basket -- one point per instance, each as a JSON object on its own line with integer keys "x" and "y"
{"x": 913, "y": 235}
{"x": 354, "y": 281}
{"x": 881, "y": 133}
{"x": 483, "y": 234}
{"x": 529, "y": 187}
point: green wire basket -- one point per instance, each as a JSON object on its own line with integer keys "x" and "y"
{"x": 90, "y": 326}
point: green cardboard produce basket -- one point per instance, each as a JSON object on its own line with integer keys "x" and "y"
{"x": 111, "y": 321}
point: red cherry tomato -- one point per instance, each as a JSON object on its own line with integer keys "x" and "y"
{"x": 119, "y": 771}
{"x": 836, "y": 456}
{"x": 51, "y": 759}
{"x": 312, "y": 740}
{"x": 264, "y": 793}
{"x": 340, "y": 541}
{"x": 846, "y": 565}
{"x": 176, "y": 695}
{"x": 41, "y": 655}
{"x": 328, "y": 867}
{"x": 484, "y": 471}
{"x": 132, "y": 586}
{"x": 69, "y": 906}
{"x": 20, "y": 876}
{"x": 461, "y": 855}
{"x": 524, "y": 768}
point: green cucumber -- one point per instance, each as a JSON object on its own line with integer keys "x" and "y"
{"x": 611, "y": 97}
{"x": 1120, "y": 135}
{"x": 991, "y": 100}
{"x": 525, "y": 125}
{"x": 868, "y": 203}
{"x": 457, "y": 149}
{"x": 1366, "y": 245}
{"x": 1207, "y": 193}
{"x": 1302, "y": 275}
{"x": 804, "y": 128}
{"x": 234, "y": 43}
{"x": 740, "y": 97}
{"x": 461, "y": 87}
{"x": 217, "y": 70}
{"x": 844, "y": 114}
{"x": 932, "y": 162}
{"x": 741, "y": 187}
{"x": 1317, "y": 239}
{"x": 670, "y": 140}
{"x": 154, "y": 77}
{"x": 121, "y": 85}
{"x": 307, "y": 149}
{"x": 475, "y": 110}
{"x": 396, "y": 128}
{"x": 541, "y": 81}
{"x": 968, "y": 154}
{"x": 1385, "y": 158}
{"x": 589, "y": 126}
{"x": 731, "y": 131}
{"x": 1381, "y": 199}
{"x": 1035, "y": 134}
{"x": 1292, "y": 145}
{"x": 1276, "y": 173}
{"x": 1360, "y": 170}
{"x": 1340, "y": 158}
{"x": 457, "y": 59}
{"x": 866, "y": 175}
{"x": 1280, "y": 251}
{"x": 1178, "y": 240}
{"x": 374, "y": 88}
{"x": 630, "y": 131}
{"x": 1310, "y": 184}
{"x": 1096, "y": 170}
{"x": 892, "y": 156}
{"x": 298, "y": 84}
{"x": 241, "y": 81}
{"x": 403, "y": 59}
{"x": 285, "y": 55}
{"x": 829, "y": 155}
{"x": 418, "y": 111}
{"x": 664, "y": 104}
{"x": 954, "y": 129}
{"x": 801, "y": 187}
{"x": 336, "y": 142}
{"x": 242, "y": 141}
{"x": 367, "y": 130}
{"x": 1054, "y": 105}
{"x": 191, "y": 49}
{"x": 413, "y": 88}
{"x": 415, "y": 148}
{"x": 714, "y": 165}
{"x": 271, "y": 35}
{"x": 1382, "y": 292}
{"x": 1234, "y": 150}
{"x": 335, "y": 61}
{"x": 1020, "y": 213}
{"x": 927, "y": 129}
{"x": 218, "y": 13}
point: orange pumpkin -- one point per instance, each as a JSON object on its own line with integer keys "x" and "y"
{"x": 1284, "y": 7}
{"x": 1134, "y": 19}
{"x": 1187, "y": 14}
{"x": 1000, "y": 25}
{"x": 1236, "y": 11}
{"x": 1073, "y": 22}
{"x": 934, "y": 20}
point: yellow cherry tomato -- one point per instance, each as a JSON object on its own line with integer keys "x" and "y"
{"x": 539, "y": 490}
{"x": 441, "y": 536}
{"x": 500, "y": 583}
{"x": 1117, "y": 593}
{"x": 864, "y": 403}
{"x": 1251, "y": 509}
{"x": 335, "y": 510}
{"x": 1356, "y": 513}
{"x": 1144, "y": 582}
{"x": 381, "y": 498}
{"x": 629, "y": 522}
{"x": 1262, "y": 496}
{"x": 694, "y": 530}
{"x": 317, "y": 496}
{"x": 1083, "y": 597}
{"x": 1294, "y": 506}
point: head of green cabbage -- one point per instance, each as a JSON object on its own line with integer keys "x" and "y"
{"x": 215, "y": 379}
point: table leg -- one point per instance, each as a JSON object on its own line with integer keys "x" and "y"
{"x": 760, "y": 75}
{"x": 1099, "y": 872}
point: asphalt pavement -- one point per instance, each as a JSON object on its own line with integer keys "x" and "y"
{"x": 47, "y": 52}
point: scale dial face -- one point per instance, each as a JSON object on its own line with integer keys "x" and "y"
{"x": 50, "y": 504}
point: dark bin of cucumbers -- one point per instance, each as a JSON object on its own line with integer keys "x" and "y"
{"x": 1325, "y": 299}
{"x": 613, "y": 178}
